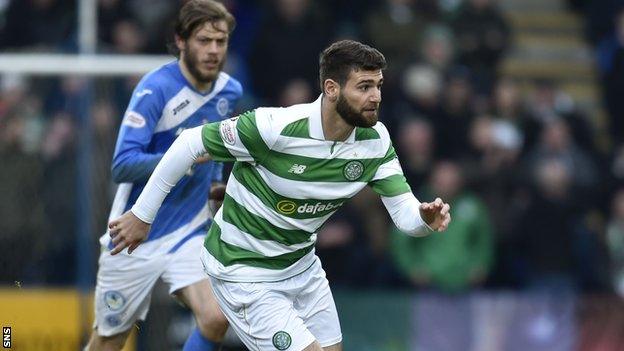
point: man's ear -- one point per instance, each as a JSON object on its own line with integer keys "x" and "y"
{"x": 331, "y": 89}
{"x": 179, "y": 42}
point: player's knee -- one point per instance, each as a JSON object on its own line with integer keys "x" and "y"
{"x": 212, "y": 323}
{"x": 315, "y": 346}
{"x": 107, "y": 343}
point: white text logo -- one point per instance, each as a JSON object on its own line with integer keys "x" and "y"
{"x": 297, "y": 169}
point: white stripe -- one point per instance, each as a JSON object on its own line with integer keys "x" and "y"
{"x": 119, "y": 204}
{"x": 358, "y": 150}
{"x": 390, "y": 168}
{"x": 163, "y": 244}
{"x": 120, "y": 201}
{"x": 295, "y": 189}
{"x": 254, "y": 205}
{"x": 244, "y": 273}
{"x": 235, "y": 146}
{"x": 234, "y": 236}
{"x": 195, "y": 100}
{"x": 383, "y": 135}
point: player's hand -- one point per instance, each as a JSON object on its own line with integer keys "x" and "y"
{"x": 127, "y": 231}
{"x": 436, "y": 214}
{"x": 203, "y": 159}
{"x": 217, "y": 194}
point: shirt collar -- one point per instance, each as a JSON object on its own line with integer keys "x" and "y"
{"x": 316, "y": 123}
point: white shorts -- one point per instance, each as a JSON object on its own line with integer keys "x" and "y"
{"x": 125, "y": 282}
{"x": 283, "y": 315}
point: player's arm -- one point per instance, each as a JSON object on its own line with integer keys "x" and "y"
{"x": 229, "y": 140}
{"x": 132, "y": 162}
{"x": 408, "y": 214}
{"x": 132, "y": 227}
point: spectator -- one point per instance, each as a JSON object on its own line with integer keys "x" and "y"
{"x": 109, "y": 13}
{"x": 455, "y": 116}
{"x": 395, "y": 29}
{"x": 416, "y": 150}
{"x": 548, "y": 103}
{"x": 58, "y": 151}
{"x": 286, "y": 47}
{"x": 45, "y": 25}
{"x": 23, "y": 222}
{"x": 557, "y": 144}
{"x": 437, "y": 48}
{"x": 462, "y": 257}
{"x": 615, "y": 242}
{"x": 297, "y": 91}
{"x": 421, "y": 92}
{"x": 509, "y": 105}
{"x": 610, "y": 59}
{"x": 482, "y": 37}
{"x": 127, "y": 37}
{"x": 548, "y": 228}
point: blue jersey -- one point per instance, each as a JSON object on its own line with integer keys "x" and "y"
{"x": 163, "y": 104}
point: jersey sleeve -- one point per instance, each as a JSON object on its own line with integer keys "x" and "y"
{"x": 396, "y": 195}
{"x": 389, "y": 180}
{"x": 237, "y": 88}
{"x": 246, "y": 138}
{"x": 132, "y": 162}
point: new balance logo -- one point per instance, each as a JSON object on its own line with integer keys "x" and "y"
{"x": 297, "y": 169}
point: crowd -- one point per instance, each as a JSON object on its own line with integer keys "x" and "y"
{"x": 536, "y": 202}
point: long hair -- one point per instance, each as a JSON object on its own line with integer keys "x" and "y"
{"x": 196, "y": 13}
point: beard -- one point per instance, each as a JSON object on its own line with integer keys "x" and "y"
{"x": 192, "y": 64}
{"x": 351, "y": 115}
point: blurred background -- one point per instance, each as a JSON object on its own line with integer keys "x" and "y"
{"x": 511, "y": 110}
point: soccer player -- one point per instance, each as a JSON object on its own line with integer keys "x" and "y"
{"x": 182, "y": 94}
{"x": 294, "y": 167}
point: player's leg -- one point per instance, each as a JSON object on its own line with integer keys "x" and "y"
{"x": 107, "y": 343}
{"x": 122, "y": 296}
{"x": 336, "y": 347}
{"x": 262, "y": 315}
{"x": 315, "y": 346}
{"x": 211, "y": 323}
{"x": 189, "y": 283}
{"x": 315, "y": 304}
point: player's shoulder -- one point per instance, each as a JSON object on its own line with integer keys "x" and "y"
{"x": 160, "y": 77}
{"x": 381, "y": 129}
{"x": 230, "y": 84}
{"x": 280, "y": 117}
{"x": 384, "y": 136}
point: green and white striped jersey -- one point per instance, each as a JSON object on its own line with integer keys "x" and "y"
{"x": 286, "y": 182}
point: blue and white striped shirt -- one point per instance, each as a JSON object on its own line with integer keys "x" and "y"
{"x": 163, "y": 104}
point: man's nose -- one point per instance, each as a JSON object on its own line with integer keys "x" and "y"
{"x": 213, "y": 47}
{"x": 376, "y": 96}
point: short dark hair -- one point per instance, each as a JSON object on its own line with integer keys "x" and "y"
{"x": 197, "y": 12}
{"x": 342, "y": 57}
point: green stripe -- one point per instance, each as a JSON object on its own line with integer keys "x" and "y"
{"x": 250, "y": 136}
{"x": 317, "y": 169}
{"x": 214, "y": 144}
{"x": 390, "y": 155}
{"x": 249, "y": 177}
{"x": 258, "y": 227}
{"x": 366, "y": 134}
{"x": 229, "y": 254}
{"x": 391, "y": 186}
{"x": 297, "y": 129}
